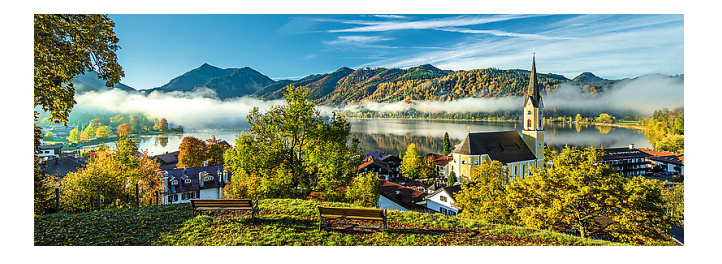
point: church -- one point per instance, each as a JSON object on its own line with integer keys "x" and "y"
{"x": 519, "y": 153}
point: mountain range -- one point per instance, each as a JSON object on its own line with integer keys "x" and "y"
{"x": 347, "y": 86}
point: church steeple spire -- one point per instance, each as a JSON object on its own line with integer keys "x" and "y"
{"x": 533, "y": 91}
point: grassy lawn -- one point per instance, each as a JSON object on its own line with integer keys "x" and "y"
{"x": 281, "y": 223}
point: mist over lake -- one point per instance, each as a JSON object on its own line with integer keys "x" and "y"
{"x": 394, "y": 135}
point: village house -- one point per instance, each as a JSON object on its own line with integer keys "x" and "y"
{"x": 397, "y": 197}
{"x": 443, "y": 200}
{"x": 442, "y": 164}
{"x": 382, "y": 165}
{"x": 167, "y": 160}
{"x": 59, "y": 167}
{"x": 183, "y": 184}
{"x": 671, "y": 162}
{"x": 48, "y": 152}
{"x": 627, "y": 161}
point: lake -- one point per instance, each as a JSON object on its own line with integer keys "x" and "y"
{"x": 394, "y": 135}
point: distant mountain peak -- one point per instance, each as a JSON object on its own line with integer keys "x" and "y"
{"x": 587, "y": 77}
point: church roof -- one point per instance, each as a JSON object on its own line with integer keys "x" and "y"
{"x": 533, "y": 90}
{"x": 505, "y": 146}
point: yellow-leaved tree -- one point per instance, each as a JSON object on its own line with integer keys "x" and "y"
{"x": 483, "y": 196}
{"x": 578, "y": 192}
{"x": 115, "y": 172}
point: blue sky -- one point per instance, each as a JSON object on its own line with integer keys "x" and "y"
{"x": 157, "y": 48}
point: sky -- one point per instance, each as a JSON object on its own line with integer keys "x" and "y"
{"x": 157, "y": 48}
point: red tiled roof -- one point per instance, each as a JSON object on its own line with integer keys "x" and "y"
{"x": 665, "y": 156}
{"x": 370, "y": 160}
{"x": 405, "y": 196}
{"x": 440, "y": 160}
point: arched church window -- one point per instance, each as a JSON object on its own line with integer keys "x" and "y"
{"x": 528, "y": 122}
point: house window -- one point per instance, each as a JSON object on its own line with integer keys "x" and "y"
{"x": 442, "y": 198}
{"x": 174, "y": 182}
{"x": 188, "y": 181}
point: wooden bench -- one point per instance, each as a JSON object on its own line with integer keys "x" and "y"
{"x": 351, "y": 213}
{"x": 225, "y": 204}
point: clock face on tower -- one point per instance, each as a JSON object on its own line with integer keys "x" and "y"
{"x": 528, "y": 112}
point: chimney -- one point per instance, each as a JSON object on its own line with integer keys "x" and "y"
{"x": 200, "y": 179}
{"x": 631, "y": 146}
{"x": 398, "y": 196}
{"x": 205, "y": 163}
{"x": 225, "y": 176}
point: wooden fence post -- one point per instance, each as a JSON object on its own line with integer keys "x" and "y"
{"x": 99, "y": 202}
{"x": 57, "y": 200}
{"x": 136, "y": 195}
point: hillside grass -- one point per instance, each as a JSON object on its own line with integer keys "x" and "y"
{"x": 281, "y": 223}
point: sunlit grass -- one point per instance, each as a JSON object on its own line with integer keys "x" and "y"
{"x": 281, "y": 223}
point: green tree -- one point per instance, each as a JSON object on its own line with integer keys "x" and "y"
{"x": 135, "y": 124}
{"x": 49, "y": 136}
{"x": 447, "y": 144}
{"x": 452, "y": 179}
{"x": 673, "y": 143}
{"x": 576, "y": 192}
{"x": 427, "y": 169}
{"x": 674, "y": 202}
{"x": 578, "y": 118}
{"x": 103, "y": 131}
{"x": 411, "y": 162}
{"x": 484, "y": 195}
{"x": 292, "y": 152}
{"x": 214, "y": 154}
{"x": 96, "y": 122}
{"x": 90, "y": 131}
{"x": 605, "y": 118}
{"x": 117, "y": 120}
{"x": 41, "y": 189}
{"x": 74, "y": 136}
{"x": 66, "y": 46}
{"x": 115, "y": 174}
{"x": 640, "y": 216}
{"x": 192, "y": 152}
{"x": 364, "y": 190}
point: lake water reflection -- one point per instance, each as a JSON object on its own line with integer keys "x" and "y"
{"x": 394, "y": 135}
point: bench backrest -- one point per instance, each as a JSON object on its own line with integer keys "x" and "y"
{"x": 221, "y": 202}
{"x": 362, "y": 212}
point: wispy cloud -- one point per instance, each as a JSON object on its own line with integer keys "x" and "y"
{"x": 390, "y": 16}
{"x": 500, "y": 33}
{"x": 380, "y": 26}
{"x": 611, "y": 47}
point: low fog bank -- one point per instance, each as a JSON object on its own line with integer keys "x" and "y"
{"x": 640, "y": 96}
{"x": 202, "y": 108}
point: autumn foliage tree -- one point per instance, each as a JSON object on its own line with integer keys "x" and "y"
{"x": 115, "y": 172}
{"x": 163, "y": 125}
{"x": 484, "y": 195}
{"x": 577, "y": 192}
{"x": 364, "y": 190}
{"x": 411, "y": 162}
{"x": 124, "y": 130}
{"x": 67, "y": 45}
{"x": 193, "y": 152}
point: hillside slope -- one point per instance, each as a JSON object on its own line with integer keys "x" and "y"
{"x": 281, "y": 222}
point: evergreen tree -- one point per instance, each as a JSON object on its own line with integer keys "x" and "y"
{"x": 452, "y": 179}
{"x": 447, "y": 144}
